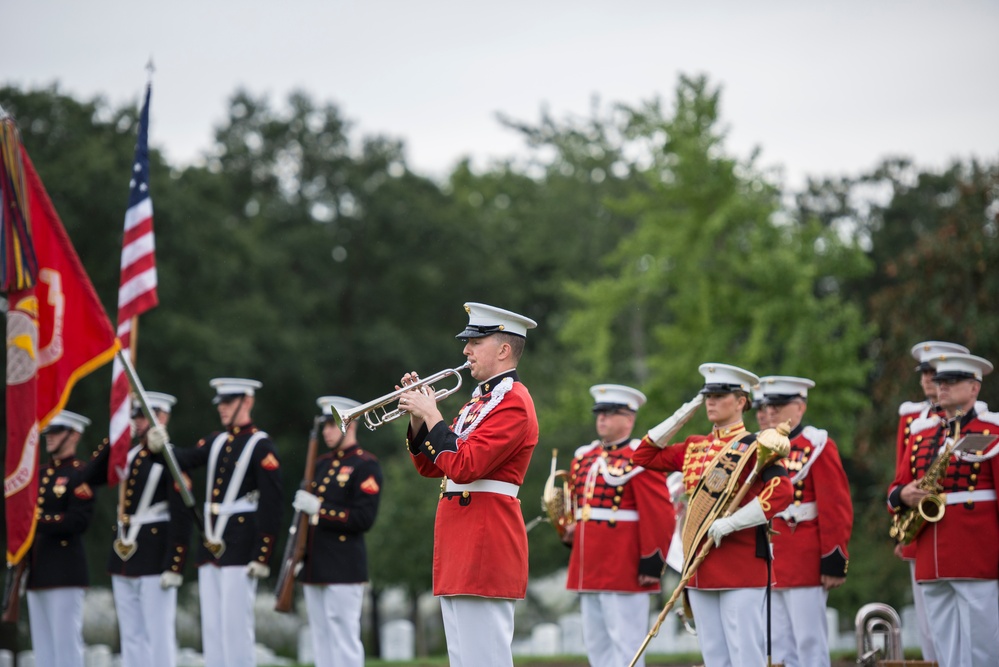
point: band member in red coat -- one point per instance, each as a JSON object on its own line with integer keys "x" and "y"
{"x": 624, "y": 524}
{"x": 811, "y": 536}
{"x": 909, "y": 412}
{"x": 342, "y": 503}
{"x": 957, "y": 556}
{"x": 728, "y": 590}
{"x": 480, "y": 542}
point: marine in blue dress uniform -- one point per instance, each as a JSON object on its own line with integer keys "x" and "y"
{"x": 242, "y": 517}
{"x": 342, "y": 503}
{"x": 58, "y": 563}
{"x": 149, "y": 544}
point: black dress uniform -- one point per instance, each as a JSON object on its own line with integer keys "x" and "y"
{"x": 348, "y": 482}
{"x": 57, "y": 573}
{"x": 242, "y": 515}
{"x": 342, "y": 503}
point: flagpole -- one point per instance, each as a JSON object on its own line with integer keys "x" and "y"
{"x": 171, "y": 459}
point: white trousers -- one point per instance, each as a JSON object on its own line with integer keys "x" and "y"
{"x": 919, "y": 602}
{"x": 56, "y": 619}
{"x": 965, "y": 621}
{"x": 614, "y": 626}
{"x": 147, "y": 621}
{"x": 479, "y": 631}
{"x": 798, "y": 627}
{"x": 730, "y": 626}
{"x": 227, "y": 594}
{"x": 335, "y": 623}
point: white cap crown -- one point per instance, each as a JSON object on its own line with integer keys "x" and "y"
{"x": 961, "y": 366}
{"x": 484, "y": 320}
{"x": 327, "y": 403}
{"x": 929, "y": 350}
{"x": 234, "y": 386}
{"x": 724, "y": 379}
{"x": 612, "y": 396}
{"x": 778, "y": 389}
{"x": 69, "y": 420}
{"x": 159, "y": 401}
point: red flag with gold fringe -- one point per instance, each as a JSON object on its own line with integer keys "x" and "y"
{"x": 57, "y": 330}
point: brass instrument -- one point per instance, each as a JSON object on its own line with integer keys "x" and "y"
{"x": 376, "y": 412}
{"x": 907, "y": 524}
{"x": 558, "y": 499}
{"x": 873, "y": 620}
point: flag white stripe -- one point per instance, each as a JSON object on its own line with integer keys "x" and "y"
{"x": 137, "y": 249}
{"x": 123, "y": 328}
{"x": 136, "y": 287}
{"x": 138, "y": 213}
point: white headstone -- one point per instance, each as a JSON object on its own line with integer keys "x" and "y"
{"x": 6, "y": 658}
{"x": 546, "y": 639}
{"x": 26, "y": 659}
{"x": 398, "y": 640}
{"x": 98, "y": 655}
{"x": 306, "y": 649}
{"x": 571, "y": 626}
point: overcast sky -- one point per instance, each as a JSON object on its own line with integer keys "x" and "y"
{"x": 822, "y": 88}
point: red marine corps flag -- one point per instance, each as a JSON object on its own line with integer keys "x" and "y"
{"x": 136, "y": 291}
{"x": 57, "y": 330}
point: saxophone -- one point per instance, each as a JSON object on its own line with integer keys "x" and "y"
{"x": 558, "y": 500}
{"x": 907, "y": 524}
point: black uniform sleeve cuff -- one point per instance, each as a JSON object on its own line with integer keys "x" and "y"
{"x": 440, "y": 439}
{"x": 834, "y": 564}
{"x": 652, "y": 565}
{"x": 414, "y": 439}
{"x": 895, "y": 499}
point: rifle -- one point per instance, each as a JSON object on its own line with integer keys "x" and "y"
{"x": 294, "y": 548}
{"x": 15, "y": 581}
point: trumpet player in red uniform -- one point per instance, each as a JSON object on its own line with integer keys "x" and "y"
{"x": 480, "y": 541}
{"x": 624, "y": 524}
{"x": 728, "y": 590}
{"x": 811, "y": 536}
{"x": 957, "y": 556}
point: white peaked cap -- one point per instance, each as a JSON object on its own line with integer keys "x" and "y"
{"x": 929, "y": 350}
{"x": 78, "y": 423}
{"x": 327, "y": 403}
{"x": 724, "y": 379}
{"x": 484, "y": 320}
{"x": 783, "y": 388}
{"x": 758, "y": 395}
{"x": 610, "y": 396}
{"x": 159, "y": 401}
{"x": 961, "y": 366}
{"x": 234, "y": 386}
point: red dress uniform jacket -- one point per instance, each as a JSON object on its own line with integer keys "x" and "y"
{"x": 908, "y": 412}
{"x": 608, "y": 554}
{"x": 806, "y": 549}
{"x": 740, "y": 560}
{"x": 964, "y": 544}
{"x": 480, "y": 543}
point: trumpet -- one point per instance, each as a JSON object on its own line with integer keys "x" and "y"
{"x": 376, "y": 412}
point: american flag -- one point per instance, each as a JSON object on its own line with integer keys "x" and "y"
{"x": 136, "y": 289}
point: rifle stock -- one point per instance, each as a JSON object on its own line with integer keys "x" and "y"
{"x": 298, "y": 533}
{"x": 12, "y": 591}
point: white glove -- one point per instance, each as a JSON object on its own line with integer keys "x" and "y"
{"x": 157, "y": 438}
{"x": 747, "y": 516}
{"x": 306, "y": 502}
{"x": 660, "y": 434}
{"x": 257, "y": 570}
{"x": 171, "y": 579}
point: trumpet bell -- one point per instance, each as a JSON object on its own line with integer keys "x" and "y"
{"x": 377, "y": 412}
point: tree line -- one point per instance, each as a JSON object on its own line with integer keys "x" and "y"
{"x": 315, "y": 260}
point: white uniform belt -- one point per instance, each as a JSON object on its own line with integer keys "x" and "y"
{"x": 607, "y": 514}
{"x": 156, "y": 513}
{"x": 799, "y": 513}
{"x": 247, "y": 503}
{"x": 959, "y": 497}
{"x": 484, "y": 486}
